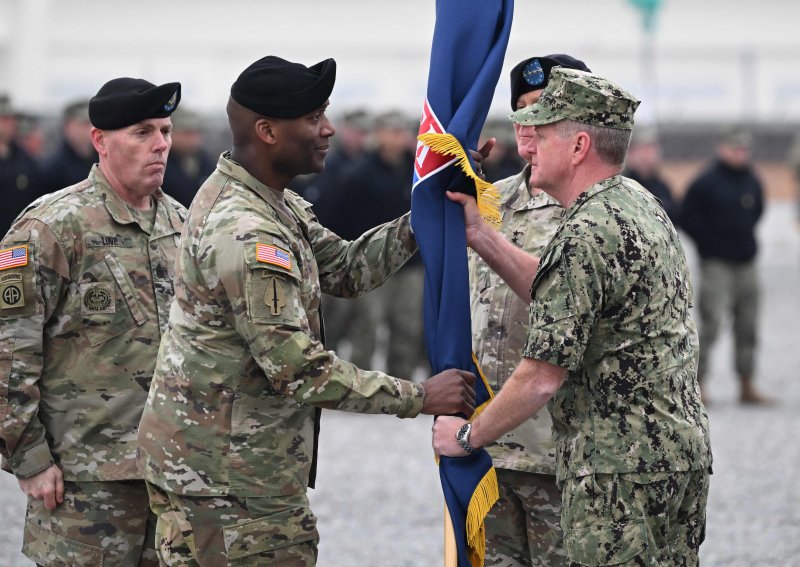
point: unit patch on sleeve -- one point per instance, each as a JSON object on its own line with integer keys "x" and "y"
{"x": 11, "y": 291}
{"x": 269, "y": 254}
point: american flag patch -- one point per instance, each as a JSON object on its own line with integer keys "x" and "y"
{"x": 273, "y": 255}
{"x": 13, "y": 257}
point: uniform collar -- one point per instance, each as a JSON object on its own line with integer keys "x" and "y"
{"x": 516, "y": 194}
{"x": 595, "y": 189}
{"x": 229, "y": 167}
{"x": 166, "y": 215}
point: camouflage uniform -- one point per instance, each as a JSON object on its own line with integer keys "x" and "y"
{"x": 227, "y": 436}
{"x": 523, "y": 527}
{"x": 80, "y": 319}
{"x": 611, "y": 303}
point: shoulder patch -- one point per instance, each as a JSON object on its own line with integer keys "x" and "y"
{"x": 269, "y": 254}
{"x": 14, "y": 257}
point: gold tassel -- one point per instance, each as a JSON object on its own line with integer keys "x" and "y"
{"x": 484, "y": 497}
{"x": 489, "y": 390}
{"x": 488, "y": 195}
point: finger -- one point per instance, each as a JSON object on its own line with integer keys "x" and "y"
{"x": 470, "y": 396}
{"x": 468, "y": 409}
{"x": 468, "y": 377}
{"x": 454, "y": 196}
{"x": 60, "y": 490}
{"x": 49, "y": 498}
{"x": 486, "y": 148}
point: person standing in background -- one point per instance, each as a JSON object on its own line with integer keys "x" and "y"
{"x": 20, "y": 180}
{"x": 720, "y": 213}
{"x": 188, "y": 164}
{"x": 643, "y": 164}
{"x": 71, "y": 161}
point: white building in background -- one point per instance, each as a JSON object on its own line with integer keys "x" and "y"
{"x": 713, "y": 59}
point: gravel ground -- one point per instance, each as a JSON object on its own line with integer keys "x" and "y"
{"x": 379, "y": 502}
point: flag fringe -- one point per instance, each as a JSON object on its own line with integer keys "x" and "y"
{"x": 484, "y": 497}
{"x": 488, "y": 195}
{"x": 489, "y": 390}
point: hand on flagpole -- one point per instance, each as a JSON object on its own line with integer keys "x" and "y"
{"x": 474, "y": 223}
{"x": 444, "y": 436}
{"x": 449, "y": 392}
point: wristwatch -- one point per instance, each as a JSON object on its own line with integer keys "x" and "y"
{"x": 462, "y": 436}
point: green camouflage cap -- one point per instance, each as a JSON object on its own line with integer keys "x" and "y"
{"x": 583, "y": 97}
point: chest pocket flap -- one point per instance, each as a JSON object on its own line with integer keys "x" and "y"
{"x": 109, "y": 304}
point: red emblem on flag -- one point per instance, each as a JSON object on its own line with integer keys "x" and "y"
{"x": 428, "y": 162}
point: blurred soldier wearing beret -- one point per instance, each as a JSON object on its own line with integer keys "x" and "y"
{"x": 228, "y": 436}
{"x": 523, "y": 527}
{"x": 611, "y": 342}
{"x": 86, "y": 280}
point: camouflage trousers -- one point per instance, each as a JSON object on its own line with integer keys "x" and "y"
{"x": 523, "y": 528}
{"x": 651, "y": 519}
{"x": 99, "y": 523}
{"x": 238, "y": 531}
{"x": 728, "y": 289}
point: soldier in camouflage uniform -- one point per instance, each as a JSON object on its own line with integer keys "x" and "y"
{"x": 523, "y": 527}
{"x": 611, "y": 346}
{"x": 228, "y": 436}
{"x": 85, "y": 285}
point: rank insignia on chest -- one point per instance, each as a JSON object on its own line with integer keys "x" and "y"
{"x": 269, "y": 254}
{"x": 14, "y": 257}
{"x": 11, "y": 291}
{"x": 274, "y": 298}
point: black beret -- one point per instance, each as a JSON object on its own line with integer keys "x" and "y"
{"x": 278, "y": 88}
{"x": 125, "y": 101}
{"x": 532, "y": 74}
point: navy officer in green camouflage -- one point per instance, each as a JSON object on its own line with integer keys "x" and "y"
{"x": 611, "y": 343}
{"x": 522, "y": 528}
{"x": 86, "y": 280}
{"x": 228, "y": 435}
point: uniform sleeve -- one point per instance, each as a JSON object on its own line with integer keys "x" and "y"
{"x": 567, "y": 296}
{"x": 29, "y": 293}
{"x": 269, "y": 313}
{"x": 352, "y": 268}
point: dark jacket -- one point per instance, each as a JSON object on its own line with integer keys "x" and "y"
{"x": 20, "y": 184}
{"x": 720, "y": 213}
{"x": 64, "y": 167}
{"x": 659, "y": 188}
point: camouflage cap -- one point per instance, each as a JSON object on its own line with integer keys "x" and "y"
{"x": 584, "y": 97}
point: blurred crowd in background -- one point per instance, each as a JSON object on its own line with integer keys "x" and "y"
{"x": 367, "y": 181}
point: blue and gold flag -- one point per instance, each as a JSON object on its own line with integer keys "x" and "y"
{"x": 469, "y": 44}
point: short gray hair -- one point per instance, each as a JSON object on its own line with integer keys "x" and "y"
{"x": 611, "y": 143}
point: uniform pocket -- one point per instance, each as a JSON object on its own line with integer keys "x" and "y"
{"x": 278, "y": 531}
{"x": 109, "y": 304}
{"x": 45, "y": 547}
{"x": 7, "y": 339}
{"x": 606, "y": 544}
